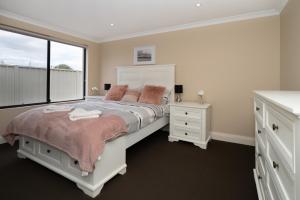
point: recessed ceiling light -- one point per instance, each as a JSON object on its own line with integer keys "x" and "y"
{"x": 112, "y": 24}
{"x": 198, "y": 5}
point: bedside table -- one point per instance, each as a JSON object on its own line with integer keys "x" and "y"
{"x": 190, "y": 121}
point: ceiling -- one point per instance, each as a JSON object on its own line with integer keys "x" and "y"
{"x": 106, "y": 20}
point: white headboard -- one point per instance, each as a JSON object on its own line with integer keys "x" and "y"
{"x": 138, "y": 76}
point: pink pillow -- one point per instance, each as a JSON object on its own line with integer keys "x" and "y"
{"x": 152, "y": 94}
{"x": 116, "y": 92}
{"x": 131, "y": 96}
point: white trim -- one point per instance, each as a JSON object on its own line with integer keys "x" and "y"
{"x": 2, "y": 141}
{"x": 252, "y": 15}
{"x": 281, "y": 5}
{"x": 29, "y": 20}
{"x": 226, "y": 137}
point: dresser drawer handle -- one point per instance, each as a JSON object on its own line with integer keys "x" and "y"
{"x": 275, "y": 165}
{"x": 259, "y": 155}
{"x": 186, "y": 113}
{"x": 27, "y": 142}
{"x": 257, "y": 108}
{"x": 185, "y": 133}
{"x": 275, "y": 127}
{"x": 186, "y": 123}
{"x": 259, "y": 131}
{"x": 259, "y": 177}
{"x": 75, "y": 162}
{"x": 48, "y": 151}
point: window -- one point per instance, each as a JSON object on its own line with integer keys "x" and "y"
{"x": 23, "y": 69}
{"x": 66, "y": 72}
{"x": 35, "y": 70}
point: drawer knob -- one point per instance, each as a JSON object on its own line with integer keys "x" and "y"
{"x": 259, "y": 155}
{"x": 275, "y": 165}
{"x": 75, "y": 162}
{"x": 259, "y": 131}
{"x": 257, "y": 108}
{"x": 259, "y": 177}
{"x": 48, "y": 151}
{"x": 186, "y": 113}
{"x": 186, "y": 123}
{"x": 275, "y": 127}
{"x": 27, "y": 142}
{"x": 185, "y": 133}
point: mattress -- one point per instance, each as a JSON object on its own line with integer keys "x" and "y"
{"x": 136, "y": 115}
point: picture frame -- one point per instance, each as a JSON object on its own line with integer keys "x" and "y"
{"x": 144, "y": 55}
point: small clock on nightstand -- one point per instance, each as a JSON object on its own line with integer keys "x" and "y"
{"x": 190, "y": 121}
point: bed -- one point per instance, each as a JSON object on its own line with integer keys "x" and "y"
{"x": 113, "y": 159}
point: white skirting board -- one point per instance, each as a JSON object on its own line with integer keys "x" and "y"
{"x": 2, "y": 141}
{"x": 226, "y": 137}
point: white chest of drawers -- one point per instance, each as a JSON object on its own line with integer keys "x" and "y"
{"x": 190, "y": 121}
{"x": 277, "y": 133}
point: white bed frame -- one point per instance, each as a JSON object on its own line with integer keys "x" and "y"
{"x": 113, "y": 159}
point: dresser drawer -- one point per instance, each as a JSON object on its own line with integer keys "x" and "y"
{"x": 260, "y": 165}
{"x": 184, "y": 132}
{"x": 261, "y": 183}
{"x": 271, "y": 191}
{"x": 283, "y": 178}
{"x": 187, "y": 112}
{"x": 260, "y": 134}
{"x": 50, "y": 153}
{"x": 282, "y": 134}
{"x": 259, "y": 110}
{"x": 187, "y": 122}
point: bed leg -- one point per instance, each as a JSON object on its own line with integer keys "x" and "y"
{"x": 123, "y": 171}
{"x": 20, "y": 155}
{"x": 91, "y": 193}
{"x": 171, "y": 139}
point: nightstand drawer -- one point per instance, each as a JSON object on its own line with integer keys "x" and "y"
{"x": 187, "y": 112}
{"x": 184, "y": 132}
{"x": 187, "y": 122}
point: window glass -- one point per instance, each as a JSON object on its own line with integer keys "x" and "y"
{"x": 66, "y": 73}
{"x": 23, "y": 69}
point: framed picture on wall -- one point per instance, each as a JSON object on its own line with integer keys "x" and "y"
{"x": 144, "y": 55}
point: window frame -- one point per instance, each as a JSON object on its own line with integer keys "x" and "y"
{"x": 49, "y": 40}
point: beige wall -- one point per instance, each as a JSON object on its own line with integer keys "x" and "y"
{"x": 290, "y": 46}
{"x": 92, "y": 58}
{"x": 228, "y": 61}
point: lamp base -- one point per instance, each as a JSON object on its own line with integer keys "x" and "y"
{"x": 178, "y": 98}
{"x": 201, "y": 99}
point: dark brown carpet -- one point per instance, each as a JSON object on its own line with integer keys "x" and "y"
{"x": 156, "y": 169}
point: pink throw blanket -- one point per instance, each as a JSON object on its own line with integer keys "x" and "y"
{"x": 83, "y": 140}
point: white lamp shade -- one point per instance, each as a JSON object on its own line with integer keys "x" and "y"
{"x": 200, "y": 92}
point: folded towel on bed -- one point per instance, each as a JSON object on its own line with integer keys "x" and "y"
{"x": 57, "y": 108}
{"x": 80, "y": 113}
